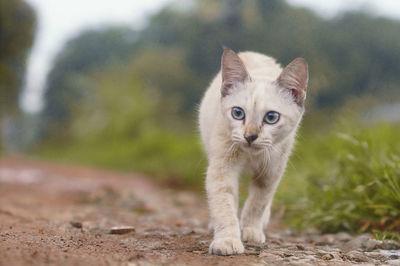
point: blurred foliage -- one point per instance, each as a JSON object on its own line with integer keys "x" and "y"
{"x": 87, "y": 52}
{"x": 129, "y": 130}
{"x": 17, "y": 29}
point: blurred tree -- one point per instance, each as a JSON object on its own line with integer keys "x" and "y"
{"x": 85, "y": 53}
{"x": 350, "y": 55}
{"x": 266, "y": 26}
{"x": 17, "y": 29}
{"x": 363, "y": 57}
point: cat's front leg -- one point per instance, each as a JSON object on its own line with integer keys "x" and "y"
{"x": 222, "y": 191}
{"x": 256, "y": 210}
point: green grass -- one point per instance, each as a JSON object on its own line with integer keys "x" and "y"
{"x": 347, "y": 179}
{"x": 386, "y": 235}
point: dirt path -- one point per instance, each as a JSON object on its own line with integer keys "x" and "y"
{"x": 54, "y": 214}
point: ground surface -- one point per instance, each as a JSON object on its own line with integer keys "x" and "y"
{"x": 43, "y": 205}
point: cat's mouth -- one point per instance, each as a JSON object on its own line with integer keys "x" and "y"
{"x": 252, "y": 148}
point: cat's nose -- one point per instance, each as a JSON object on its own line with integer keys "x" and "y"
{"x": 251, "y": 138}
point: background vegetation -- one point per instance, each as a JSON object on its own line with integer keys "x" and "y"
{"x": 127, "y": 100}
{"x": 17, "y": 29}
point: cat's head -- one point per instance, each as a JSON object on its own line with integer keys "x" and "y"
{"x": 262, "y": 112}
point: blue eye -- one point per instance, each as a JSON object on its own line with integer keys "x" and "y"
{"x": 271, "y": 117}
{"x": 238, "y": 113}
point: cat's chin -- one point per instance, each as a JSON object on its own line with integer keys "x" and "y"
{"x": 252, "y": 149}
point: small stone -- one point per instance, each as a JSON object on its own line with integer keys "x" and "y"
{"x": 374, "y": 255}
{"x": 121, "y": 230}
{"x": 389, "y": 245}
{"x": 328, "y": 239}
{"x": 371, "y": 244}
{"x": 277, "y": 253}
{"x": 287, "y": 254}
{"x": 178, "y": 223}
{"x": 76, "y": 224}
{"x": 357, "y": 256}
{"x": 356, "y": 243}
{"x": 252, "y": 252}
{"x": 197, "y": 252}
{"x": 269, "y": 255}
{"x": 328, "y": 257}
{"x": 137, "y": 256}
{"x": 300, "y": 247}
{"x": 276, "y": 242}
{"x": 343, "y": 237}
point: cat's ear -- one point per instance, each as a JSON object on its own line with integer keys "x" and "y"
{"x": 233, "y": 71}
{"x": 294, "y": 77}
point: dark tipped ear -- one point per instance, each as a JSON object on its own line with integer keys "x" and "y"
{"x": 295, "y": 78}
{"x": 233, "y": 71}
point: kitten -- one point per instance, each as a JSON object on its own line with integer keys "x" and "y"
{"x": 248, "y": 121}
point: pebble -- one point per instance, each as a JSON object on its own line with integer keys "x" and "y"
{"x": 178, "y": 223}
{"x": 300, "y": 247}
{"x": 121, "y": 230}
{"x": 269, "y": 256}
{"x": 389, "y": 245}
{"x": 343, "y": 237}
{"x": 198, "y": 252}
{"x": 371, "y": 244}
{"x": 328, "y": 257}
{"x": 374, "y": 255}
{"x": 76, "y": 224}
{"x": 357, "y": 256}
{"x": 328, "y": 239}
{"x": 356, "y": 243}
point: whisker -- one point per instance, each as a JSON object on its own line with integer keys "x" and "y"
{"x": 264, "y": 164}
{"x": 281, "y": 153}
{"x": 231, "y": 150}
{"x": 265, "y": 142}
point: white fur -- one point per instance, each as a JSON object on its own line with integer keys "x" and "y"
{"x": 229, "y": 154}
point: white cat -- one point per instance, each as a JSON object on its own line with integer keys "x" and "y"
{"x": 248, "y": 121}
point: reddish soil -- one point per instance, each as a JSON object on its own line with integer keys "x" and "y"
{"x": 54, "y": 214}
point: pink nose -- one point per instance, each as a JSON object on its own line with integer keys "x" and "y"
{"x": 251, "y": 138}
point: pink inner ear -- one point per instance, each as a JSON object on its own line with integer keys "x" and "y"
{"x": 233, "y": 71}
{"x": 298, "y": 95}
{"x": 295, "y": 78}
{"x": 225, "y": 89}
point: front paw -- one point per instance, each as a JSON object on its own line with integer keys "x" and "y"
{"x": 251, "y": 234}
{"x": 226, "y": 246}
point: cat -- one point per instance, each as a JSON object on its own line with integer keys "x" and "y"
{"x": 248, "y": 120}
